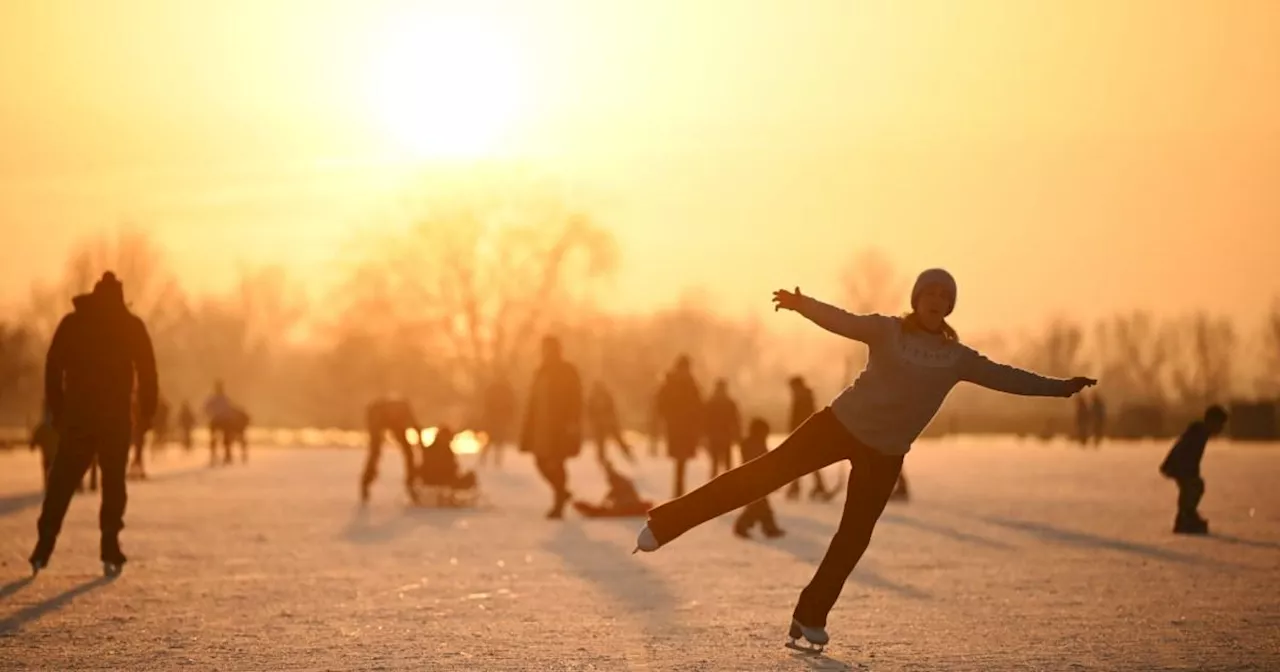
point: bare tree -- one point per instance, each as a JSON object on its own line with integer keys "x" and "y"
{"x": 1057, "y": 351}
{"x": 1135, "y": 354}
{"x": 1269, "y": 379}
{"x": 19, "y": 365}
{"x": 483, "y": 272}
{"x": 1202, "y": 372}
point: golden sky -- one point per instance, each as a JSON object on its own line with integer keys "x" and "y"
{"x": 1061, "y": 157}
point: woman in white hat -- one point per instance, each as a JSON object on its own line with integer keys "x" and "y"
{"x": 914, "y": 362}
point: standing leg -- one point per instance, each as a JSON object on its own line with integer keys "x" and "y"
{"x": 747, "y": 519}
{"x": 553, "y": 471}
{"x": 410, "y": 468}
{"x": 69, "y": 465}
{"x": 371, "y": 459}
{"x": 622, "y": 444}
{"x": 213, "y": 444}
{"x": 767, "y": 521}
{"x": 820, "y": 441}
{"x": 870, "y": 483}
{"x": 113, "y": 456}
{"x": 679, "y": 464}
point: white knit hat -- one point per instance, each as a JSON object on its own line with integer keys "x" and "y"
{"x": 934, "y": 276}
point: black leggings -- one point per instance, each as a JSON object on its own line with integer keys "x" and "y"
{"x": 819, "y": 442}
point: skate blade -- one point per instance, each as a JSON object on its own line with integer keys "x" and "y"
{"x": 111, "y": 570}
{"x": 811, "y": 649}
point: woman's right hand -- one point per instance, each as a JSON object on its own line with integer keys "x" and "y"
{"x": 784, "y": 300}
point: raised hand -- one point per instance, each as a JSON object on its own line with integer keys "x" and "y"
{"x": 1079, "y": 383}
{"x": 784, "y": 300}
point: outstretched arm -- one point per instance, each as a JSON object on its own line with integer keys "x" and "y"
{"x": 863, "y": 328}
{"x": 1004, "y": 378}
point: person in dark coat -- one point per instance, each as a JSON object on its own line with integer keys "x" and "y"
{"x": 499, "y": 415}
{"x": 603, "y": 423}
{"x": 680, "y": 409}
{"x": 758, "y": 512}
{"x": 389, "y": 416}
{"x": 1182, "y": 464}
{"x": 186, "y": 425}
{"x": 724, "y": 428}
{"x": 98, "y": 353}
{"x": 552, "y": 430}
{"x": 803, "y": 406}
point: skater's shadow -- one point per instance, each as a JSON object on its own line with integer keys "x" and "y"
{"x": 14, "y": 586}
{"x": 1046, "y": 531}
{"x": 1244, "y": 542}
{"x": 605, "y": 564}
{"x": 369, "y": 527}
{"x": 822, "y": 662}
{"x": 811, "y": 549}
{"x": 821, "y": 528}
{"x": 37, "y": 611}
{"x": 14, "y": 503}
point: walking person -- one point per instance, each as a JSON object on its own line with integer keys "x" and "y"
{"x": 724, "y": 428}
{"x": 914, "y": 362}
{"x": 553, "y": 422}
{"x": 97, "y": 353}
{"x": 680, "y": 410}
{"x": 603, "y": 424}
{"x": 803, "y": 407}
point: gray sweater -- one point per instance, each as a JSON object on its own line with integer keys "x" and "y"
{"x": 908, "y": 375}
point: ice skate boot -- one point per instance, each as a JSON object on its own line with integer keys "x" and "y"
{"x": 40, "y": 556}
{"x": 37, "y": 565}
{"x": 645, "y": 541}
{"x": 1197, "y": 525}
{"x": 814, "y": 638}
{"x": 112, "y": 558}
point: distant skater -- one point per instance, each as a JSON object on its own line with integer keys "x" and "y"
{"x": 754, "y": 446}
{"x": 724, "y": 428}
{"x": 680, "y": 411}
{"x": 603, "y": 424}
{"x": 914, "y": 363}
{"x": 98, "y": 352}
{"x": 1182, "y": 464}
{"x": 499, "y": 417}
{"x": 803, "y": 407}
{"x": 389, "y": 417}
{"x": 552, "y": 430}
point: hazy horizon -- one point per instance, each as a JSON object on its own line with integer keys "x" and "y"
{"x": 1060, "y": 158}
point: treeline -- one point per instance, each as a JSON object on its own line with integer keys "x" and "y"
{"x": 480, "y": 270}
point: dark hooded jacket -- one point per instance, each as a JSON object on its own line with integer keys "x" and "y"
{"x": 96, "y": 353}
{"x": 553, "y": 416}
{"x": 681, "y": 407}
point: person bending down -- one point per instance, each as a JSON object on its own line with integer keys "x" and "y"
{"x": 622, "y": 500}
{"x": 914, "y": 362}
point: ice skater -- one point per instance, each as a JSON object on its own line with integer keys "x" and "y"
{"x": 758, "y": 512}
{"x": 603, "y": 423}
{"x": 1182, "y": 464}
{"x": 914, "y": 362}
{"x": 681, "y": 412}
{"x": 803, "y": 407}
{"x": 724, "y": 428}
{"x": 621, "y": 501}
{"x": 552, "y": 430}
{"x": 98, "y": 352}
{"x": 389, "y": 416}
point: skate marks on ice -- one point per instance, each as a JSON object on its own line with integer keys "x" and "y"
{"x": 13, "y": 623}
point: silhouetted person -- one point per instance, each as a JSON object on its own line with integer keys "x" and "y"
{"x": 724, "y": 428}
{"x": 439, "y": 466}
{"x": 1182, "y": 464}
{"x": 97, "y": 353}
{"x": 160, "y": 425}
{"x": 235, "y": 431}
{"x": 499, "y": 418}
{"x": 1098, "y": 419}
{"x": 1084, "y": 420}
{"x": 603, "y": 424}
{"x": 220, "y": 412}
{"x": 756, "y": 444}
{"x": 137, "y": 467}
{"x": 622, "y": 500}
{"x": 803, "y": 406}
{"x": 186, "y": 425}
{"x": 389, "y": 416}
{"x": 682, "y": 414}
{"x": 553, "y": 422}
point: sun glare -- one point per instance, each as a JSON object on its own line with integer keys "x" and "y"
{"x": 447, "y": 87}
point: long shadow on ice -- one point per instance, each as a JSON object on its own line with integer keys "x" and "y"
{"x": 36, "y": 611}
{"x": 1053, "y": 533}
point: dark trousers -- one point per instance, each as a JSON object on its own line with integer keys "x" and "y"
{"x": 76, "y": 452}
{"x": 819, "y": 442}
{"x": 553, "y": 472}
{"x": 679, "y": 464}
{"x": 374, "y": 456}
{"x": 1190, "y": 492}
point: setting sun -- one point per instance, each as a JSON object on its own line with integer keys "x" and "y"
{"x": 446, "y": 87}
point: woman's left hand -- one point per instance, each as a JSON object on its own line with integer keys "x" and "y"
{"x": 1079, "y": 383}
